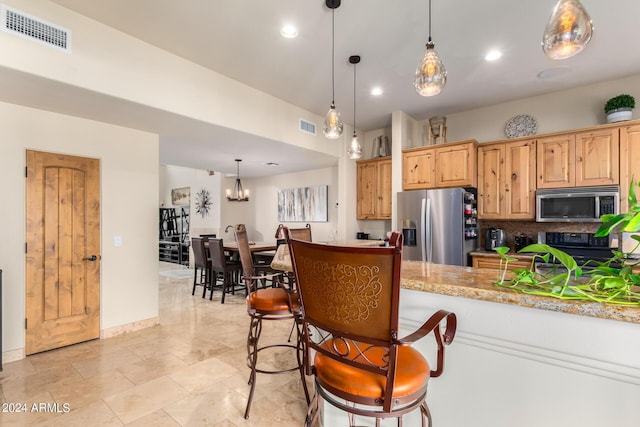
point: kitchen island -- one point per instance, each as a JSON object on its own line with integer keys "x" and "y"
{"x": 521, "y": 360}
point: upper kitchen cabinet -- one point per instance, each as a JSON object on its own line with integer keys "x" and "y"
{"x": 507, "y": 180}
{"x": 629, "y": 161}
{"x": 373, "y": 191}
{"x": 445, "y": 165}
{"x": 579, "y": 159}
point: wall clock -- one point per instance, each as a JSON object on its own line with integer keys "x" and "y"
{"x": 203, "y": 202}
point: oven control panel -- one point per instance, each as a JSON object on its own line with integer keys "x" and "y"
{"x": 585, "y": 240}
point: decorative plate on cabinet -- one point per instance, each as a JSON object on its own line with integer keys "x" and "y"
{"x": 520, "y": 125}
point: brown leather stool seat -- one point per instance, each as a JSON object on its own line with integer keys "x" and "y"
{"x": 271, "y": 300}
{"x": 412, "y": 373}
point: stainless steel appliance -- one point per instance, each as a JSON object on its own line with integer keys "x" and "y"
{"x": 581, "y": 246}
{"x": 494, "y": 238}
{"x": 439, "y": 226}
{"x": 579, "y": 204}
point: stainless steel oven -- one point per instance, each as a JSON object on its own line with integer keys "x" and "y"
{"x": 579, "y": 204}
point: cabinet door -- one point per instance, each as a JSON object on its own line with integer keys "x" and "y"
{"x": 456, "y": 166}
{"x": 629, "y": 162}
{"x": 491, "y": 181}
{"x": 366, "y": 190}
{"x": 520, "y": 180}
{"x": 384, "y": 189}
{"x": 418, "y": 169}
{"x": 555, "y": 163}
{"x": 597, "y": 157}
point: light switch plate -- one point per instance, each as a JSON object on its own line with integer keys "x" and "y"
{"x": 117, "y": 241}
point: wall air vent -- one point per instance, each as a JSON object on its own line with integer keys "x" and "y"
{"x": 307, "y": 127}
{"x": 36, "y": 29}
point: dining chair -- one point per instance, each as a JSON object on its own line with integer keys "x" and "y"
{"x": 222, "y": 268}
{"x": 200, "y": 265}
{"x": 276, "y": 303}
{"x": 350, "y": 306}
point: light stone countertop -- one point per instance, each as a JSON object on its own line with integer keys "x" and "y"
{"x": 477, "y": 283}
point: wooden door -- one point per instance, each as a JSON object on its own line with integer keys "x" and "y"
{"x": 63, "y": 237}
{"x": 629, "y": 163}
{"x": 520, "y": 180}
{"x": 456, "y": 165}
{"x": 366, "y": 176}
{"x": 384, "y": 189}
{"x": 556, "y": 161}
{"x": 418, "y": 169}
{"x": 491, "y": 181}
{"x": 597, "y": 157}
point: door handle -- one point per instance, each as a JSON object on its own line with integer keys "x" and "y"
{"x": 90, "y": 258}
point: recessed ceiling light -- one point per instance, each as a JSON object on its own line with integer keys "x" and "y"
{"x": 376, "y": 91}
{"x": 289, "y": 31}
{"x": 493, "y": 55}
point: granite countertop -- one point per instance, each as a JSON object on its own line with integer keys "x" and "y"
{"x": 477, "y": 283}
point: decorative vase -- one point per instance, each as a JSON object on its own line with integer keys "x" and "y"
{"x": 619, "y": 115}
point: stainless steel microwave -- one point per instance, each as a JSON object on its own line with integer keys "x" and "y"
{"x": 578, "y": 204}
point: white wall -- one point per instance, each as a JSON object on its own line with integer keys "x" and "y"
{"x": 196, "y": 179}
{"x": 564, "y": 110}
{"x": 260, "y": 213}
{"x": 129, "y": 208}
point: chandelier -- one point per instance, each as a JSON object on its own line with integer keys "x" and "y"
{"x": 238, "y": 194}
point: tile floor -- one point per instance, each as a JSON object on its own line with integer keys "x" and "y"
{"x": 188, "y": 371}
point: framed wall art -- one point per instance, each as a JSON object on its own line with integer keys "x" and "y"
{"x": 181, "y": 196}
{"x": 303, "y": 204}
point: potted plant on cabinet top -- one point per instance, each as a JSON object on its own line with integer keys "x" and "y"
{"x": 619, "y": 108}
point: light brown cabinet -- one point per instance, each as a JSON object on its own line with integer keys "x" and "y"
{"x": 373, "y": 190}
{"x": 440, "y": 166}
{"x": 507, "y": 180}
{"x": 579, "y": 159}
{"x": 629, "y": 162}
{"x": 492, "y": 261}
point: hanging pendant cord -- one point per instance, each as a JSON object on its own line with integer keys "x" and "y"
{"x": 429, "y": 20}
{"x": 354, "y": 99}
{"x": 333, "y": 55}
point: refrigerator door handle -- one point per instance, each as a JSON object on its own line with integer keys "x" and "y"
{"x": 428, "y": 241}
{"x": 423, "y": 234}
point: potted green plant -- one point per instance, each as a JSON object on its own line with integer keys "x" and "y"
{"x": 619, "y": 108}
{"x": 605, "y": 283}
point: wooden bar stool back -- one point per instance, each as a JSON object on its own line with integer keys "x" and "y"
{"x": 350, "y": 301}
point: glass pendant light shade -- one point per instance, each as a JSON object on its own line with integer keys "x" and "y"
{"x": 333, "y": 125}
{"x": 355, "y": 149}
{"x": 568, "y": 31}
{"x": 431, "y": 74}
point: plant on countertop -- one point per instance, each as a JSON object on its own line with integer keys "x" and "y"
{"x": 605, "y": 283}
{"x": 620, "y": 101}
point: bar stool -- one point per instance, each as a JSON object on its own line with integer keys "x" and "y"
{"x": 350, "y": 302}
{"x": 276, "y": 303}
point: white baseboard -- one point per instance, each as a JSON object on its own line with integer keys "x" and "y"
{"x": 12, "y": 355}
{"x": 129, "y": 327}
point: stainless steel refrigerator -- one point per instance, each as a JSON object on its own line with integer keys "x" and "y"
{"x": 439, "y": 226}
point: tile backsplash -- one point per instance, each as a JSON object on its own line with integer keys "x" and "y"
{"x": 532, "y": 228}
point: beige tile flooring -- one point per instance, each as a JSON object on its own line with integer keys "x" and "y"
{"x": 188, "y": 371}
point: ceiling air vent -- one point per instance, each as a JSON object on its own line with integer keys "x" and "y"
{"x": 307, "y": 127}
{"x": 36, "y": 29}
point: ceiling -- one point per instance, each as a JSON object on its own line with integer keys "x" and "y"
{"x": 241, "y": 39}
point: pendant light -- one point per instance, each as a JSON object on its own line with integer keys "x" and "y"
{"x": 333, "y": 122}
{"x": 355, "y": 149}
{"x": 431, "y": 75}
{"x": 568, "y": 31}
{"x": 239, "y": 194}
